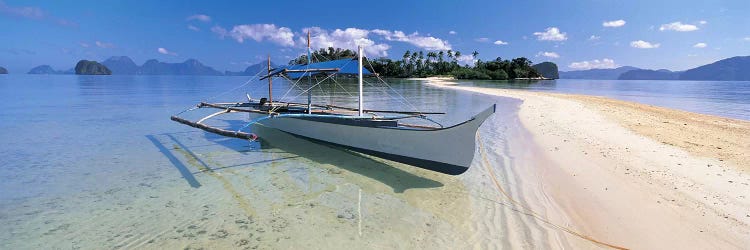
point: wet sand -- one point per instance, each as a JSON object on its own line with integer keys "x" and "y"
{"x": 635, "y": 175}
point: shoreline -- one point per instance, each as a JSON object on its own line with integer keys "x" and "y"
{"x": 690, "y": 182}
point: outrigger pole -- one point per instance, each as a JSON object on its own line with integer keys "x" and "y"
{"x": 270, "y": 83}
{"x": 361, "y": 105}
{"x": 309, "y": 75}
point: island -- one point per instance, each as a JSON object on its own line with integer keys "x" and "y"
{"x": 437, "y": 63}
{"x": 3, "y": 71}
{"x": 728, "y": 69}
{"x": 85, "y": 67}
{"x": 123, "y": 65}
{"x": 43, "y": 70}
{"x": 731, "y": 69}
{"x": 647, "y": 74}
{"x": 547, "y": 70}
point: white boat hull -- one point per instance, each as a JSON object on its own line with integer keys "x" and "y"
{"x": 447, "y": 150}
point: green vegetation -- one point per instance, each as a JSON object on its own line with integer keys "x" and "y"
{"x": 323, "y": 55}
{"x": 421, "y": 64}
{"x": 547, "y": 69}
{"x": 84, "y": 67}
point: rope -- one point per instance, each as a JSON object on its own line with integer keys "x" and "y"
{"x": 342, "y": 87}
{"x": 530, "y": 212}
{"x": 256, "y": 120}
{"x": 236, "y": 88}
{"x": 389, "y": 86}
{"x": 223, "y": 93}
{"x": 304, "y": 91}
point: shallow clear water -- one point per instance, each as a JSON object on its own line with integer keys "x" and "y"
{"x": 95, "y": 162}
{"x": 723, "y": 98}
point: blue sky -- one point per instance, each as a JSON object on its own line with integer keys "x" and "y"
{"x": 675, "y": 35}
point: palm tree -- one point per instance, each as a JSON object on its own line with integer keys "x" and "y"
{"x": 475, "y": 54}
{"x": 406, "y": 64}
{"x": 456, "y": 56}
{"x": 431, "y": 60}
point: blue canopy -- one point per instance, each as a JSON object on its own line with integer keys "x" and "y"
{"x": 342, "y": 66}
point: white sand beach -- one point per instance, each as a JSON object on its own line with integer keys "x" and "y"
{"x": 637, "y": 176}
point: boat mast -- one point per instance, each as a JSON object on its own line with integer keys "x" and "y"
{"x": 309, "y": 76}
{"x": 270, "y": 83}
{"x": 361, "y": 106}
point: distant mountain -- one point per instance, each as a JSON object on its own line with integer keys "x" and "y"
{"x": 252, "y": 69}
{"x": 189, "y": 67}
{"x": 84, "y": 67}
{"x": 44, "y": 70}
{"x": 598, "y": 74}
{"x": 3, "y": 71}
{"x": 547, "y": 69}
{"x": 731, "y": 69}
{"x": 121, "y": 65}
{"x": 647, "y": 74}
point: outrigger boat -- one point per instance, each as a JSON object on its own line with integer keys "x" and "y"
{"x": 448, "y": 150}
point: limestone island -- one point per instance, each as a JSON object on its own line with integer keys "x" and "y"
{"x": 85, "y": 67}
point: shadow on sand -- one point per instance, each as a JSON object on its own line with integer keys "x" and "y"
{"x": 398, "y": 179}
{"x": 175, "y": 161}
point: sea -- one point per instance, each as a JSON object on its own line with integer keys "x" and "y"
{"x": 729, "y": 99}
{"x": 92, "y": 162}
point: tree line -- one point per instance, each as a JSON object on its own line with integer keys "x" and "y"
{"x": 433, "y": 63}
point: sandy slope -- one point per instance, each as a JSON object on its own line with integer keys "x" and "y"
{"x": 637, "y": 176}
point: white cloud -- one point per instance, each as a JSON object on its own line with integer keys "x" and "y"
{"x": 678, "y": 26}
{"x": 747, "y": 38}
{"x": 258, "y": 32}
{"x": 644, "y": 45}
{"x": 425, "y": 42}
{"x": 700, "y": 45}
{"x": 104, "y": 45}
{"x": 548, "y": 54}
{"x": 34, "y": 13}
{"x": 605, "y": 63}
{"x": 551, "y": 34}
{"x": 222, "y": 32}
{"x": 26, "y": 11}
{"x": 199, "y": 17}
{"x": 500, "y": 42}
{"x": 466, "y": 59}
{"x": 594, "y": 38}
{"x": 348, "y": 38}
{"x": 482, "y": 39}
{"x": 83, "y": 44}
{"x": 166, "y": 52}
{"x": 191, "y": 27}
{"x": 452, "y": 32}
{"x": 702, "y": 22}
{"x": 614, "y": 24}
